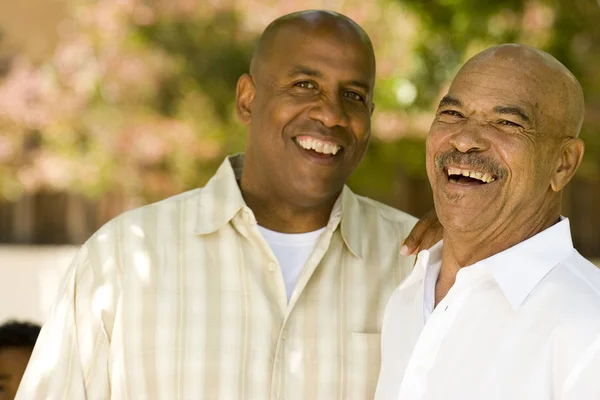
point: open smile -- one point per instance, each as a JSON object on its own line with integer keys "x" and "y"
{"x": 318, "y": 149}
{"x": 469, "y": 177}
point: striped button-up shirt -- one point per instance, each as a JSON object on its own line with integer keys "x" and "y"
{"x": 183, "y": 299}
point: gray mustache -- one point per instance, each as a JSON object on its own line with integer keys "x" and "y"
{"x": 473, "y": 161}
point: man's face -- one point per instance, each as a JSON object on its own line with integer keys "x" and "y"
{"x": 311, "y": 104}
{"x": 495, "y": 127}
{"x": 13, "y": 361}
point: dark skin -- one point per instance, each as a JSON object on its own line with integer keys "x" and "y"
{"x": 513, "y": 113}
{"x": 312, "y": 76}
{"x": 13, "y": 361}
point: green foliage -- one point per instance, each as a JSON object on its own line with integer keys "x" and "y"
{"x": 140, "y": 98}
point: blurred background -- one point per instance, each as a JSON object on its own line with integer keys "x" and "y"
{"x": 110, "y": 104}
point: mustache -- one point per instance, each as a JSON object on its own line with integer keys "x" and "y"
{"x": 474, "y": 161}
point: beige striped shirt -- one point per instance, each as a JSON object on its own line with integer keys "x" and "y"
{"x": 183, "y": 299}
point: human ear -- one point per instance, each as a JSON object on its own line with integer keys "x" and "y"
{"x": 569, "y": 160}
{"x": 244, "y": 95}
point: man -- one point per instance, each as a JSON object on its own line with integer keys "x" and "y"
{"x": 16, "y": 343}
{"x": 504, "y": 307}
{"x": 268, "y": 283}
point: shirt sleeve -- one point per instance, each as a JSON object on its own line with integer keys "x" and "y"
{"x": 70, "y": 357}
{"x": 583, "y": 382}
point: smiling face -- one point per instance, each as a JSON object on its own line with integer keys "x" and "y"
{"x": 307, "y": 104}
{"x": 499, "y": 150}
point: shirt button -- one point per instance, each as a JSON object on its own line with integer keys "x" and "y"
{"x": 284, "y": 335}
{"x": 272, "y": 266}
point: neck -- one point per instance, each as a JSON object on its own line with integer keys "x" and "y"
{"x": 462, "y": 249}
{"x": 279, "y": 215}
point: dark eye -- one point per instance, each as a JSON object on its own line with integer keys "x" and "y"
{"x": 305, "y": 85}
{"x": 452, "y": 113}
{"x": 354, "y": 96}
{"x": 509, "y": 123}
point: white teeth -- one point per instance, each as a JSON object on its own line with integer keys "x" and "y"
{"x": 319, "y": 146}
{"x": 484, "y": 177}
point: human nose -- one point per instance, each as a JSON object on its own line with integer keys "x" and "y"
{"x": 470, "y": 138}
{"x": 330, "y": 111}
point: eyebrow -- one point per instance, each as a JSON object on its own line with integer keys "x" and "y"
{"x": 4, "y": 376}
{"x": 512, "y": 110}
{"x": 450, "y": 101}
{"x": 504, "y": 110}
{"x": 304, "y": 70}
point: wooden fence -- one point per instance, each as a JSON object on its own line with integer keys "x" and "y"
{"x": 63, "y": 218}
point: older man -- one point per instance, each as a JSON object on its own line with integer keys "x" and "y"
{"x": 268, "y": 283}
{"x": 504, "y": 307}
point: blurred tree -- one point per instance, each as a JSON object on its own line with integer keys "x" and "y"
{"x": 450, "y": 32}
{"x": 139, "y": 96}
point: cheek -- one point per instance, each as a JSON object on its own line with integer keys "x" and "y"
{"x": 527, "y": 165}
{"x": 277, "y": 110}
{"x": 432, "y": 147}
{"x": 361, "y": 127}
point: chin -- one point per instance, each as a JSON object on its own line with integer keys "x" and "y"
{"x": 459, "y": 219}
{"x": 314, "y": 195}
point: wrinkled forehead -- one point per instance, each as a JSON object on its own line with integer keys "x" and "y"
{"x": 506, "y": 82}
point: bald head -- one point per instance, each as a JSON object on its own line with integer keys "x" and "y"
{"x": 559, "y": 97}
{"x": 308, "y": 24}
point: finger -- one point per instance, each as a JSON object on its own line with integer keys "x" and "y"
{"x": 433, "y": 235}
{"x": 411, "y": 244}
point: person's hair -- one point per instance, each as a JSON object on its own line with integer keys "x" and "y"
{"x": 18, "y": 334}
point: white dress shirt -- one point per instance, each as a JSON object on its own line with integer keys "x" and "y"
{"x": 523, "y": 324}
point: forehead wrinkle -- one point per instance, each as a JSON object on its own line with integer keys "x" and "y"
{"x": 559, "y": 101}
{"x": 508, "y": 100}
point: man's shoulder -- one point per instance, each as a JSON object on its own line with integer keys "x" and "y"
{"x": 574, "y": 287}
{"x": 582, "y": 276}
{"x": 374, "y": 208}
{"x": 185, "y": 202}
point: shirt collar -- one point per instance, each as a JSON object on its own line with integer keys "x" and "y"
{"x": 349, "y": 208}
{"x": 519, "y": 269}
{"x": 428, "y": 259}
{"x": 221, "y": 200}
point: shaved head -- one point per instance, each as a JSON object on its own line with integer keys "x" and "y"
{"x": 560, "y": 94}
{"x": 308, "y": 23}
{"x": 311, "y": 83}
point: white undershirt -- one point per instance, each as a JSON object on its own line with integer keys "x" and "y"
{"x": 292, "y": 251}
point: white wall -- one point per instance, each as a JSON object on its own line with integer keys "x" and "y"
{"x": 29, "y": 279}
